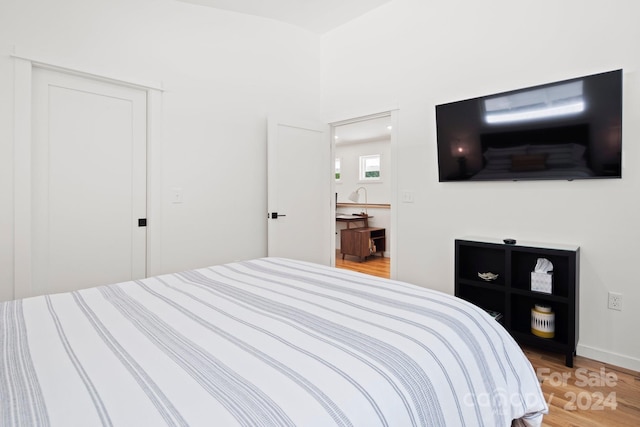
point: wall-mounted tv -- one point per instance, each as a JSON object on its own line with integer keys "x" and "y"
{"x": 571, "y": 129}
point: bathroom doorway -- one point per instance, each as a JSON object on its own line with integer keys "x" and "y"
{"x": 364, "y": 176}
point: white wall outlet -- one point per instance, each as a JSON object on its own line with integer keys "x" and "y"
{"x": 615, "y": 301}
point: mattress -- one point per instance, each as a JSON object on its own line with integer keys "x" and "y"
{"x": 265, "y": 342}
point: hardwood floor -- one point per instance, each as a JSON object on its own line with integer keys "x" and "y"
{"x": 374, "y": 265}
{"x": 591, "y": 394}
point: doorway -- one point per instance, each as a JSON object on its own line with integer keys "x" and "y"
{"x": 364, "y": 185}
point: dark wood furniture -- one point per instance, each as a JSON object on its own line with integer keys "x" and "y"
{"x": 349, "y": 219}
{"x": 510, "y": 293}
{"x": 362, "y": 241}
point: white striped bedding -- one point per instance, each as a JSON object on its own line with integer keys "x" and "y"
{"x": 266, "y": 342}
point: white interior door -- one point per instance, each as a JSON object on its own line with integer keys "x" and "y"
{"x": 88, "y": 182}
{"x": 299, "y": 191}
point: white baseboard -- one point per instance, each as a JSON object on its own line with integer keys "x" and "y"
{"x": 609, "y": 357}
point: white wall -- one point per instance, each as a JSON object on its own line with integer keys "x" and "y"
{"x": 349, "y": 153}
{"x": 415, "y": 54}
{"x": 223, "y": 73}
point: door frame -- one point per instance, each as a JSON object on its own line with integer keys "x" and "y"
{"x": 22, "y": 142}
{"x": 393, "y": 114}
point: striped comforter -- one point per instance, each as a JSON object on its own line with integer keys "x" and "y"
{"x": 267, "y": 342}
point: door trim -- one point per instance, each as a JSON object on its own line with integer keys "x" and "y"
{"x": 22, "y": 186}
{"x": 58, "y": 65}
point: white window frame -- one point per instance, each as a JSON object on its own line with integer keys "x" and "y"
{"x": 363, "y": 168}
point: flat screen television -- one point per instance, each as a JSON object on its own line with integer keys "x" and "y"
{"x": 566, "y": 130}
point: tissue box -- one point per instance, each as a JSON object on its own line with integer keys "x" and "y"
{"x": 542, "y": 282}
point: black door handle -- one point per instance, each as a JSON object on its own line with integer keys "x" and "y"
{"x": 275, "y": 215}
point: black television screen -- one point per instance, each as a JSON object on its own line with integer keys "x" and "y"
{"x": 571, "y": 129}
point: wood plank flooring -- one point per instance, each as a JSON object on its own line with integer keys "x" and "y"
{"x": 591, "y": 394}
{"x": 374, "y": 265}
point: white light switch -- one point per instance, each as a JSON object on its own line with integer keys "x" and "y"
{"x": 407, "y": 196}
{"x": 176, "y": 195}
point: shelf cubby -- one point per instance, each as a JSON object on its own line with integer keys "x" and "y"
{"x": 488, "y": 260}
{"x": 488, "y": 299}
{"x": 522, "y": 263}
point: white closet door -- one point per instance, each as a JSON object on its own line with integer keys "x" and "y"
{"x": 88, "y": 182}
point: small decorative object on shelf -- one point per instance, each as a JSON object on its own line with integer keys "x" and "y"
{"x": 542, "y": 276}
{"x": 488, "y": 276}
{"x": 543, "y": 321}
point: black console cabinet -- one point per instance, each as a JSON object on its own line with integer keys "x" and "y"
{"x": 510, "y": 293}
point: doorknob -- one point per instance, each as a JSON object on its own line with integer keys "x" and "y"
{"x": 275, "y": 215}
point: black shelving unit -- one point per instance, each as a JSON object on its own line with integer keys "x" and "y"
{"x": 510, "y": 293}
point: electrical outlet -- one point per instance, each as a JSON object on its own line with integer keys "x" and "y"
{"x": 615, "y": 301}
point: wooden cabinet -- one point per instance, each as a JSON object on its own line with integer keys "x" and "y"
{"x": 362, "y": 241}
{"x": 510, "y": 293}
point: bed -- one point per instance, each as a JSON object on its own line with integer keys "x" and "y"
{"x": 264, "y": 342}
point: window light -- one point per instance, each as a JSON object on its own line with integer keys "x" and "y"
{"x": 551, "y": 101}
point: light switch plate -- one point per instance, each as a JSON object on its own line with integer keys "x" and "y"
{"x": 176, "y": 195}
{"x": 407, "y": 196}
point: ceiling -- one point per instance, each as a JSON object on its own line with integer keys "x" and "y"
{"x": 376, "y": 129}
{"x": 318, "y": 16}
